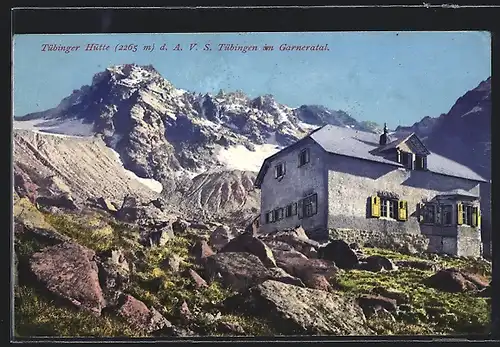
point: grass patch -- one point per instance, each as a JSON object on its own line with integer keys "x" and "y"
{"x": 459, "y": 312}
{"x": 38, "y": 316}
{"x": 95, "y": 231}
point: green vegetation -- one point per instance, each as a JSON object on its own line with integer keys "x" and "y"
{"x": 94, "y": 231}
{"x": 428, "y": 311}
{"x": 36, "y": 315}
{"x": 456, "y": 312}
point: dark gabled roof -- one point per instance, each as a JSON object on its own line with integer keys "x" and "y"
{"x": 415, "y": 143}
{"x": 364, "y": 145}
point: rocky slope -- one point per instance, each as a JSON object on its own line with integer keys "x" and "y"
{"x": 88, "y": 272}
{"x": 464, "y": 133}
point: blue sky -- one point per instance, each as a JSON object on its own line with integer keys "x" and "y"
{"x": 393, "y": 77}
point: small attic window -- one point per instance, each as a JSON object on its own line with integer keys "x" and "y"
{"x": 406, "y": 159}
{"x": 420, "y": 162}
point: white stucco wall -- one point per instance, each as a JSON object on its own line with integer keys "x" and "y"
{"x": 352, "y": 181}
{"x": 296, "y": 183}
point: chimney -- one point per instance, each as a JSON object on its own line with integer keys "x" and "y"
{"x": 384, "y": 137}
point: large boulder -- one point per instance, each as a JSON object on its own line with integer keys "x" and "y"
{"x": 296, "y": 238}
{"x": 339, "y": 252}
{"x": 248, "y": 243}
{"x": 220, "y": 237}
{"x": 455, "y": 281}
{"x": 314, "y": 273}
{"x": 70, "y": 271}
{"x": 294, "y": 310}
{"x": 139, "y": 316}
{"x": 236, "y": 270}
{"x": 376, "y": 263}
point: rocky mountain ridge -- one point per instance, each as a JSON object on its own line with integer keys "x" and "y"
{"x": 173, "y": 136}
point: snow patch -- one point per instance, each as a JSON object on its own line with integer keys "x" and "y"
{"x": 241, "y": 158}
{"x": 474, "y": 110}
{"x": 307, "y": 126}
{"x": 152, "y": 184}
{"x": 57, "y": 127}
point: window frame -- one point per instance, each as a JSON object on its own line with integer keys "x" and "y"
{"x": 269, "y": 219}
{"x": 283, "y": 170}
{"x": 278, "y": 214}
{"x": 291, "y": 210}
{"x": 389, "y": 208}
{"x": 444, "y": 212}
{"x": 306, "y": 154}
{"x": 309, "y": 206}
{"x": 426, "y": 211}
{"x": 467, "y": 211}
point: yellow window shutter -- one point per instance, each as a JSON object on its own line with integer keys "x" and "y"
{"x": 474, "y": 216}
{"x": 478, "y": 224}
{"x": 405, "y": 207}
{"x": 460, "y": 217}
{"x": 375, "y": 206}
{"x": 402, "y": 211}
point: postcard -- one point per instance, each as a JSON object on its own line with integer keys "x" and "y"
{"x": 251, "y": 184}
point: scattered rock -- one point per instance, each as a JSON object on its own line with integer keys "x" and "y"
{"x": 159, "y": 234}
{"x": 220, "y": 237}
{"x": 238, "y": 270}
{"x": 69, "y": 271}
{"x": 250, "y": 244}
{"x": 317, "y": 281}
{"x": 138, "y": 315}
{"x": 64, "y": 201}
{"x": 276, "y": 245}
{"x": 372, "y": 303}
{"x": 455, "y": 281}
{"x": 159, "y": 203}
{"x": 418, "y": 264}
{"x": 354, "y": 246}
{"x": 172, "y": 263}
{"x": 400, "y": 297}
{"x": 24, "y": 186}
{"x": 281, "y": 275}
{"x": 185, "y": 313}
{"x": 376, "y": 263}
{"x": 296, "y": 238}
{"x": 198, "y": 280}
{"x": 114, "y": 275}
{"x": 308, "y": 270}
{"x": 105, "y": 204}
{"x": 339, "y": 252}
{"x": 179, "y": 226}
{"x": 382, "y": 313}
{"x": 230, "y": 328}
{"x": 294, "y": 310}
{"x": 201, "y": 251}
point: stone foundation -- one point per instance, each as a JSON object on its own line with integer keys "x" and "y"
{"x": 415, "y": 243}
